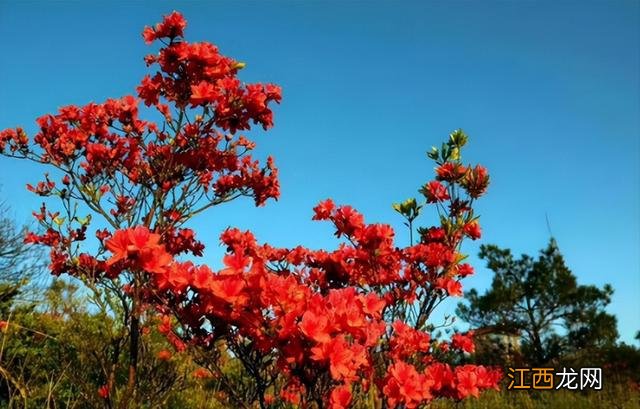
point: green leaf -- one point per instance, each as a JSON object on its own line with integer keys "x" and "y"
{"x": 455, "y": 153}
{"x": 433, "y": 154}
{"x": 458, "y": 138}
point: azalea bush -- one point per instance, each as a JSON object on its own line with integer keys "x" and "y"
{"x": 322, "y": 328}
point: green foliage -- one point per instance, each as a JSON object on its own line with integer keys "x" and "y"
{"x": 451, "y": 149}
{"x": 57, "y": 353}
{"x": 534, "y": 297}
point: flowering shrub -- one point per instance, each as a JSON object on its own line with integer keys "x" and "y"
{"x": 310, "y": 327}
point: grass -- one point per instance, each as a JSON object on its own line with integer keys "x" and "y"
{"x": 615, "y": 397}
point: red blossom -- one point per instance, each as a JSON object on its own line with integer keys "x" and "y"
{"x": 340, "y": 398}
{"x": 103, "y": 391}
{"x": 463, "y": 342}
{"x": 323, "y": 210}
{"x": 404, "y": 386}
{"x": 450, "y": 172}
{"x": 472, "y": 230}
{"x": 407, "y": 341}
{"x": 172, "y": 26}
{"x": 202, "y": 373}
{"x": 465, "y": 270}
{"x": 139, "y": 247}
{"x": 203, "y": 93}
{"x": 164, "y": 355}
{"x": 451, "y": 286}
{"x": 315, "y": 327}
{"x": 476, "y": 181}
{"x": 467, "y": 382}
{"x": 435, "y": 192}
{"x": 303, "y": 314}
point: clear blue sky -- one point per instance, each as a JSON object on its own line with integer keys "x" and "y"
{"x": 548, "y": 91}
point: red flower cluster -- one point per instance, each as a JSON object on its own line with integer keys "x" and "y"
{"x": 138, "y": 249}
{"x": 464, "y": 342}
{"x": 435, "y": 192}
{"x": 112, "y": 160}
{"x": 476, "y": 181}
{"x": 103, "y": 391}
{"x": 172, "y": 26}
{"x": 450, "y": 172}
{"x": 324, "y": 326}
{"x": 197, "y": 74}
{"x": 314, "y": 316}
{"x": 16, "y": 139}
{"x": 406, "y": 387}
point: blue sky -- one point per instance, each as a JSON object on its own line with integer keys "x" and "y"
{"x": 548, "y": 91}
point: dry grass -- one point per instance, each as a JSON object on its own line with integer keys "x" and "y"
{"x": 615, "y": 397}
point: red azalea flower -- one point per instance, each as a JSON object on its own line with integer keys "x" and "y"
{"x": 465, "y": 270}
{"x": 155, "y": 259}
{"x": 340, "y": 397}
{"x": 472, "y": 230}
{"x": 228, "y": 288}
{"x": 467, "y": 384}
{"x": 463, "y": 342}
{"x": 203, "y": 93}
{"x": 323, "y": 210}
{"x": 405, "y": 386}
{"x": 172, "y": 26}
{"x": 103, "y": 391}
{"x": 315, "y": 327}
{"x": 453, "y": 287}
{"x": 450, "y": 172}
{"x": 202, "y": 373}
{"x": 164, "y": 355}
{"x": 476, "y": 181}
{"x": 435, "y": 192}
{"x": 139, "y": 246}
